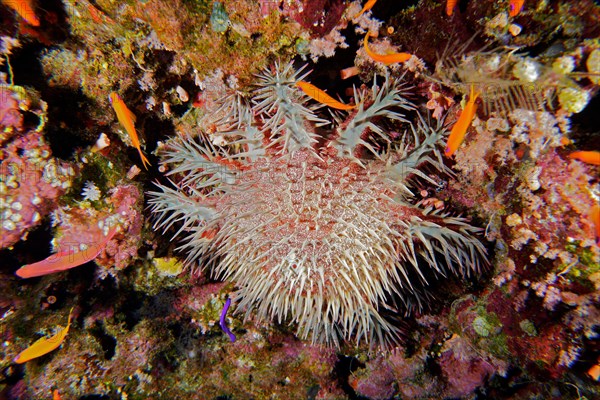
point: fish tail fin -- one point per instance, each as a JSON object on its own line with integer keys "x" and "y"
{"x": 144, "y": 159}
{"x": 70, "y": 316}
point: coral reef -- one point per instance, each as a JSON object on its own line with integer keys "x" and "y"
{"x": 31, "y": 180}
{"x": 301, "y": 228}
{"x": 86, "y": 226}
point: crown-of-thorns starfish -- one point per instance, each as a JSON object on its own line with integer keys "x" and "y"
{"x": 311, "y": 221}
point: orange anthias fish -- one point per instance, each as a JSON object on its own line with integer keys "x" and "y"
{"x": 590, "y": 157}
{"x": 594, "y": 371}
{"x": 55, "y": 395}
{"x": 25, "y": 9}
{"x": 322, "y": 97}
{"x": 127, "y": 120}
{"x": 44, "y": 345}
{"x": 450, "y": 6}
{"x": 387, "y": 59}
{"x": 64, "y": 260}
{"x": 595, "y": 217}
{"x": 459, "y": 130}
{"x": 515, "y": 7}
{"x": 368, "y": 5}
{"x": 98, "y": 16}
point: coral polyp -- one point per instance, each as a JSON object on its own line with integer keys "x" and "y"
{"x": 314, "y": 220}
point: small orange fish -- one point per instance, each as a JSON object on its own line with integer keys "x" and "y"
{"x": 127, "y": 120}
{"x": 55, "y": 395}
{"x": 450, "y": 6}
{"x": 515, "y": 7}
{"x": 595, "y": 217}
{"x": 565, "y": 141}
{"x": 322, "y": 97}
{"x": 387, "y": 59}
{"x": 594, "y": 371}
{"x": 459, "y": 130}
{"x": 368, "y": 5}
{"x": 63, "y": 260}
{"x": 98, "y": 16}
{"x": 95, "y": 14}
{"x": 25, "y": 9}
{"x": 44, "y": 345}
{"x": 590, "y": 157}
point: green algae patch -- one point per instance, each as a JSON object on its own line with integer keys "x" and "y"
{"x": 528, "y": 327}
{"x": 586, "y": 269}
{"x": 482, "y": 326}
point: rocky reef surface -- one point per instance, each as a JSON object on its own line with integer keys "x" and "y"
{"x": 345, "y": 199}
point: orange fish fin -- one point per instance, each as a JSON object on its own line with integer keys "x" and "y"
{"x": 144, "y": 159}
{"x": 129, "y": 113}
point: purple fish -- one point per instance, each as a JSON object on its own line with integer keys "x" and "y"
{"x": 222, "y": 320}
